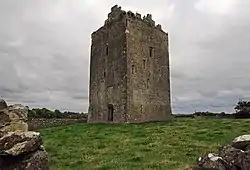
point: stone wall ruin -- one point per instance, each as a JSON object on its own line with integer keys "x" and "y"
{"x": 20, "y": 149}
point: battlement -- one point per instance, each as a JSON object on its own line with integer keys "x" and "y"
{"x": 117, "y": 14}
{"x": 114, "y": 8}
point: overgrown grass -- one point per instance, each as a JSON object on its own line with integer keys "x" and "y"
{"x": 172, "y": 145}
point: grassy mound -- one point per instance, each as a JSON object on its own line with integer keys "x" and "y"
{"x": 172, "y": 145}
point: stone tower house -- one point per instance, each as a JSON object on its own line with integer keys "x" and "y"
{"x": 129, "y": 70}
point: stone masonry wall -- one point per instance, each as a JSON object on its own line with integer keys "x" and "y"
{"x": 148, "y": 70}
{"x": 35, "y": 124}
{"x": 108, "y": 70}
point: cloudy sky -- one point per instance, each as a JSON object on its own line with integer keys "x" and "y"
{"x": 45, "y": 46}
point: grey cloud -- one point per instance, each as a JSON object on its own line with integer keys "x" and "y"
{"x": 214, "y": 57}
{"x": 45, "y": 47}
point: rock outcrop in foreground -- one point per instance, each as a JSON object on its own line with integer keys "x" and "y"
{"x": 231, "y": 157}
{"x": 20, "y": 149}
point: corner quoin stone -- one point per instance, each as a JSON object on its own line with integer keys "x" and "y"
{"x": 129, "y": 70}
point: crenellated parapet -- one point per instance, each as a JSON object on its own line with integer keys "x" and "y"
{"x": 148, "y": 19}
{"x": 138, "y": 16}
{"x": 115, "y": 8}
{"x": 117, "y": 14}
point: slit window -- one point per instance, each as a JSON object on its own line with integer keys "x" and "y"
{"x": 107, "y": 50}
{"x": 104, "y": 74}
{"x": 133, "y": 69}
{"x": 147, "y": 83}
{"x": 126, "y": 22}
{"x": 144, "y": 64}
{"x": 151, "y": 51}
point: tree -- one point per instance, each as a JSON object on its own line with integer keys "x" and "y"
{"x": 242, "y": 109}
{"x": 58, "y": 114}
{"x": 32, "y": 114}
{"x": 242, "y": 105}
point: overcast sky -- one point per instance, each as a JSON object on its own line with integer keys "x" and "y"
{"x": 45, "y": 50}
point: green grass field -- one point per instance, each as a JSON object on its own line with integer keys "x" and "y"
{"x": 170, "y": 145}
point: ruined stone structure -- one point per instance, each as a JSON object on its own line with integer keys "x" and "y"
{"x": 129, "y": 70}
{"x": 20, "y": 149}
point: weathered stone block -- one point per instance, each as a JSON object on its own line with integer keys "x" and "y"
{"x": 16, "y": 143}
{"x": 37, "y": 160}
{"x": 12, "y": 118}
{"x": 17, "y": 112}
{"x": 3, "y": 104}
{"x": 229, "y": 157}
{"x": 242, "y": 142}
{"x": 15, "y": 126}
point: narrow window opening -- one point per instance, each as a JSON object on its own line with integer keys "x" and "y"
{"x": 148, "y": 83}
{"x": 144, "y": 64}
{"x": 110, "y": 112}
{"x": 107, "y": 50}
{"x": 133, "y": 69}
{"x": 151, "y": 51}
{"x": 126, "y": 22}
{"x": 104, "y": 73}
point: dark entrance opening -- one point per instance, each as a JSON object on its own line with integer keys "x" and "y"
{"x": 110, "y": 112}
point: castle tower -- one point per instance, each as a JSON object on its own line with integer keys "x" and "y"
{"x": 129, "y": 70}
